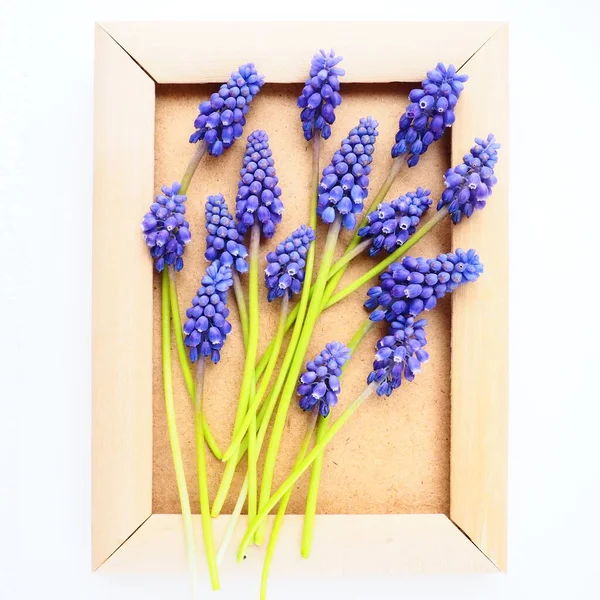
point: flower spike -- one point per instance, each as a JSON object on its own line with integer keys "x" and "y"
{"x": 165, "y": 230}
{"x": 223, "y": 241}
{"x": 321, "y": 95}
{"x": 470, "y": 183}
{"x": 320, "y": 383}
{"x": 392, "y": 223}
{"x": 285, "y": 268}
{"x": 345, "y": 182}
{"x": 222, "y": 118}
{"x": 258, "y": 190}
{"x": 207, "y": 327}
{"x": 430, "y": 112}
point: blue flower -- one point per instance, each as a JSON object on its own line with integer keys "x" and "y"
{"x": 392, "y": 223}
{"x": 470, "y": 183}
{"x": 430, "y": 111}
{"x": 165, "y": 231}
{"x": 222, "y": 118}
{"x": 285, "y": 268}
{"x": 321, "y": 381}
{"x": 345, "y": 182}
{"x": 399, "y": 354}
{"x": 223, "y": 241}
{"x": 258, "y": 190}
{"x": 321, "y": 95}
{"x": 416, "y": 284}
{"x": 207, "y": 327}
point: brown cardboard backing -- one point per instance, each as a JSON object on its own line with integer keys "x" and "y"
{"x": 394, "y": 455}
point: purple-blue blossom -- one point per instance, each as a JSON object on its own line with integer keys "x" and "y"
{"x": 430, "y": 112}
{"x": 223, "y": 242}
{"x": 321, "y": 95}
{"x": 207, "y": 327}
{"x": 222, "y": 118}
{"x": 258, "y": 198}
{"x": 416, "y": 284}
{"x": 285, "y": 267}
{"x": 320, "y": 383}
{"x": 469, "y": 184}
{"x": 345, "y": 182}
{"x": 165, "y": 230}
{"x": 392, "y": 223}
{"x": 400, "y": 354}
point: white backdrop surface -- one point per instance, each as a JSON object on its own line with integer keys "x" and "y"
{"x": 46, "y": 77}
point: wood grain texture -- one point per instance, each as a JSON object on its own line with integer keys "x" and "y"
{"x": 195, "y": 53}
{"x": 122, "y": 299}
{"x": 480, "y": 321}
{"x": 394, "y": 456}
{"x": 366, "y": 547}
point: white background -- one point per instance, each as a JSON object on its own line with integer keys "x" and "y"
{"x": 46, "y": 51}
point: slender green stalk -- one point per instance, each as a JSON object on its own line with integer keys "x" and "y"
{"x": 207, "y": 532}
{"x": 185, "y": 363}
{"x": 238, "y": 291}
{"x": 350, "y": 255}
{"x": 297, "y": 471}
{"x": 315, "y": 473}
{"x": 278, "y": 341}
{"x": 282, "y": 508}
{"x": 248, "y": 377}
{"x": 192, "y": 166}
{"x": 384, "y": 264}
{"x": 235, "y": 515}
{"x": 184, "y": 499}
{"x": 296, "y": 365}
{"x": 251, "y": 471}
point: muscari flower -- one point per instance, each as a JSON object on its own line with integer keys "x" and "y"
{"x": 222, "y": 118}
{"x": 416, "y": 284}
{"x": 345, "y": 182}
{"x": 285, "y": 268}
{"x": 321, "y": 95}
{"x": 320, "y": 383}
{"x": 470, "y": 183}
{"x": 207, "y": 327}
{"x": 400, "y": 354}
{"x": 223, "y": 241}
{"x": 392, "y": 223}
{"x": 165, "y": 231}
{"x": 430, "y": 111}
{"x": 258, "y": 193}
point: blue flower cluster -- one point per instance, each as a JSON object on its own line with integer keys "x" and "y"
{"x": 321, "y": 95}
{"x": 165, "y": 231}
{"x": 345, "y": 182}
{"x": 222, "y": 118}
{"x": 399, "y": 354}
{"x": 285, "y": 268}
{"x": 258, "y": 190}
{"x": 470, "y": 183}
{"x": 320, "y": 383}
{"x": 430, "y": 111}
{"x": 207, "y": 327}
{"x": 223, "y": 241}
{"x": 415, "y": 284}
{"x": 392, "y": 223}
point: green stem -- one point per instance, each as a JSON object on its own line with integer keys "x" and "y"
{"x": 185, "y": 363}
{"x": 248, "y": 378}
{"x": 207, "y": 532}
{"x": 184, "y": 499}
{"x": 282, "y": 508}
{"x": 251, "y": 471}
{"x": 241, "y": 432}
{"x": 296, "y": 365}
{"x": 384, "y": 264}
{"x": 297, "y": 471}
{"x": 192, "y": 166}
{"x": 350, "y": 255}
{"x": 238, "y": 292}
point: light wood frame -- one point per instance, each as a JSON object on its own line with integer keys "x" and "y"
{"x": 130, "y": 59}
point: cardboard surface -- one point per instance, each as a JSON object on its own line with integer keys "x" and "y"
{"x": 394, "y": 455}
